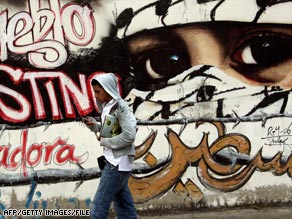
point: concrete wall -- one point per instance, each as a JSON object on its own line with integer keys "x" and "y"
{"x": 208, "y": 81}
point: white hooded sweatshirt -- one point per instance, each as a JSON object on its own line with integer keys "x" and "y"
{"x": 122, "y": 144}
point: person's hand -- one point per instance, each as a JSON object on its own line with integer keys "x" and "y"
{"x": 88, "y": 121}
{"x": 91, "y": 123}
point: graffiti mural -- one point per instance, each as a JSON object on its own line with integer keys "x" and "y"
{"x": 208, "y": 80}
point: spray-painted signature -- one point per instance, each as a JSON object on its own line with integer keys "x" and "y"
{"x": 279, "y": 135}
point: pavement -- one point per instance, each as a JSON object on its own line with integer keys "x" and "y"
{"x": 278, "y": 212}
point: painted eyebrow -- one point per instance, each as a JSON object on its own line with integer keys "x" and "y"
{"x": 150, "y": 40}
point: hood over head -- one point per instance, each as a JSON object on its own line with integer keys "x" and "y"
{"x": 109, "y": 82}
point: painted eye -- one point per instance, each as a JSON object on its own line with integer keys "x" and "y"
{"x": 160, "y": 64}
{"x": 165, "y": 63}
{"x": 263, "y": 50}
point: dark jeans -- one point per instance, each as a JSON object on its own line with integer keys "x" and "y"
{"x": 113, "y": 187}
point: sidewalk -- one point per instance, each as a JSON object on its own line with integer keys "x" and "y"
{"x": 277, "y": 212}
{"x": 246, "y": 213}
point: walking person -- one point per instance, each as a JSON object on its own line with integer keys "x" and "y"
{"x": 118, "y": 151}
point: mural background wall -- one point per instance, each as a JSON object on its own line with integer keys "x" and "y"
{"x": 209, "y": 83}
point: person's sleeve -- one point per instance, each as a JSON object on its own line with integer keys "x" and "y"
{"x": 127, "y": 122}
